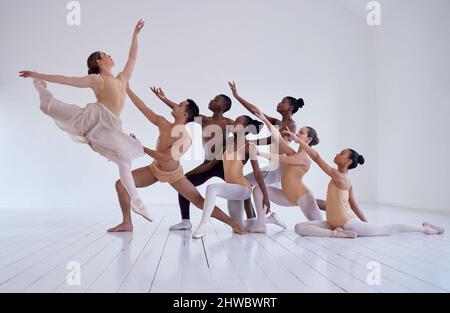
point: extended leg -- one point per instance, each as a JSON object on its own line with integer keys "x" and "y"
{"x": 223, "y": 190}
{"x": 322, "y": 229}
{"x": 185, "y": 188}
{"x": 142, "y": 177}
{"x": 196, "y": 180}
{"x": 52, "y": 107}
{"x": 368, "y": 229}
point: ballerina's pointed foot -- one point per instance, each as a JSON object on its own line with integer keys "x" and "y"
{"x": 139, "y": 208}
{"x": 38, "y": 83}
{"x": 183, "y": 225}
{"x": 431, "y": 229}
{"x": 122, "y": 227}
{"x": 339, "y": 232}
{"x": 275, "y": 219}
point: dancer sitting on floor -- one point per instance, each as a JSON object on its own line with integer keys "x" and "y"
{"x": 341, "y": 221}
{"x": 236, "y": 187}
{"x": 173, "y": 141}
{"x": 98, "y": 124}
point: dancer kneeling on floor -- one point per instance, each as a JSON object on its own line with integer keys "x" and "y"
{"x": 293, "y": 192}
{"x": 236, "y": 188}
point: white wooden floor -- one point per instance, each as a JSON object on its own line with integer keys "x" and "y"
{"x": 37, "y": 244}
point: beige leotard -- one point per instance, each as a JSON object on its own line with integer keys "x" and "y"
{"x": 112, "y": 92}
{"x": 291, "y": 182}
{"x": 233, "y": 168}
{"x": 338, "y": 208}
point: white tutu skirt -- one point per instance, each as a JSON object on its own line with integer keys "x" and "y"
{"x": 98, "y": 127}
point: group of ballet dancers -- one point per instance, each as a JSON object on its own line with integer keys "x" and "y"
{"x": 227, "y": 150}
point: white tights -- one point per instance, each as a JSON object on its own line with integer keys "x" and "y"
{"x": 233, "y": 192}
{"x": 363, "y": 229}
{"x": 61, "y": 111}
{"x": 307, "y": 204}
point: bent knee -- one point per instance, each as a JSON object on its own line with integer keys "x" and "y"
{"x": 119, "y": 186}
{"x": 212, "y": 189}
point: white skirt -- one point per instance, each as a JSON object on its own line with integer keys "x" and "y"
{"x": 98, "y": 127}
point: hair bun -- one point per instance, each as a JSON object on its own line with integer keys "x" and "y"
{"x": 361, "y": 160}
{"x": 315, "y": 141}
{"x": 300, "y": 103}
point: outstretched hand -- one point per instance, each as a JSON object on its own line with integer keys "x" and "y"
{"x": 26, "y": 74}
{"x": 292, "y": 136}
{"x": 158, "y": 92}
{"x": 140, "y": 24}
{"x": 233, "y": 88}
{"x": 288, "y": 133}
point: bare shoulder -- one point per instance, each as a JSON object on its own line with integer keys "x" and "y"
{"x": 95, "y": 78}
{"x": 229, "y": 121}
{"x": 340, "y": 180}
{"x": 96, "y": 81}
{"x": 291, "y": 124}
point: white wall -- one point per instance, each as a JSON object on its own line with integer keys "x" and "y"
{"x": 413, "y": 107}
{"x": 318, "y": 50}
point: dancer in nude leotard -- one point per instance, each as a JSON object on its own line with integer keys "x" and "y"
{"x": 236, "y": 188}
{"x": 98, "y": 124}
{"x": 293, "y": 192}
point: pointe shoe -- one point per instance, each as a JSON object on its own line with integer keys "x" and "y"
{"x": 139, "y": 208}
{"x": 338, "y": 232}
{"x": 431, "y": 229}
{"x": 183, "y": 225}
{"x": 275, "y": 219}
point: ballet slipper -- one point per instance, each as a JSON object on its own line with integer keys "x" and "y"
{"x": 183, "y": 225}
{"x": 431, "y": 229}
{"x": 38, "y": 83}
{"x": 275, "y": 219}
{"x": 199, "y": 232}
{"x": 139, "y": 208}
